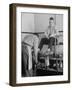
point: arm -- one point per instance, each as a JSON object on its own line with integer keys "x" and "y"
{"x": 47, "y": 32}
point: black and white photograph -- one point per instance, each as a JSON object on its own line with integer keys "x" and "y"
{"x": 42, "y": 44}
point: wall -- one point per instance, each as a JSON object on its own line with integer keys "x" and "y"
{"x": 28, "y": 24}
{"x": 39, "y": 22}
{"x": 42, "y": 21}
{"x": 4, "y": 45}
{"x": 59, "y": 22}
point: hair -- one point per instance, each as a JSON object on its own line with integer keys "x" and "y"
{"x": 51, "y": 18}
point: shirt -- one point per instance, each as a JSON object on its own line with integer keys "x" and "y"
{"x": 51, "y": 31}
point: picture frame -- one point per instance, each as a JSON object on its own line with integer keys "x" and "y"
{"x": 32, "y": 19}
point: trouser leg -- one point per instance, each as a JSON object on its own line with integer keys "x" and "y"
{"x": 47, "y": 61}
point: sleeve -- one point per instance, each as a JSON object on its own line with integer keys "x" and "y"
{"x": 47, "y": 32}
